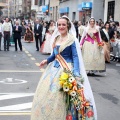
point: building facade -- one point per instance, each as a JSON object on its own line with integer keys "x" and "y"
{"x": 54, "y": 9}
{"x": 3, "y": 8}
{"x": 15, "y": 8}
{"x": 98, "y": 9}
{"x": 34, "y": 8}
{"x": 82, "y": 9}
{"x": 39, "y": 9}
{"x": 112, "y": 8}
{"x": 26, "y": 9}
{"x": 3, "y": 3}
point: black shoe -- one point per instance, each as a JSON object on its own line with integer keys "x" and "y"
{"x": 7, "y": 50}
{"x": 37, "y": 50}
{"x": 92, "y": 74}
{"x": 107, "y": 62}
{"x": 88, "y": 74}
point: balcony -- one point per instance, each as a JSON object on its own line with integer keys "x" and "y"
{"x": 3, "y": 4}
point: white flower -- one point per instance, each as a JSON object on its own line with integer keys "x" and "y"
{"x": 66, "y": 88}
{"x": 73, "y": 93}
{"x": 71, "y": 79}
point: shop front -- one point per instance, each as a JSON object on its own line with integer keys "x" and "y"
{"x": 85, "y": 10}
{"x": 43, "y": 13}
{"x": 45, "y": 9}
{"x": 64, "y": 11}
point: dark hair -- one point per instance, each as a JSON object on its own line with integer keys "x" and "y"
{"x": 68, "y": 22}
{"x": 76, "y": 23}
{"x": 92, "y": 19}
{"x": 118, "y": 34}
{"x": 117, "y": 23}
{"x": 107, "y": 23}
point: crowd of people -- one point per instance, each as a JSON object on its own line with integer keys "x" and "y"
{"x": 41, "y": 32}
{"x": 84, "y": 50}
{"x": 27, "y": 30}
{"x": 109, "y": 34}
{"x": 77, "y": 50}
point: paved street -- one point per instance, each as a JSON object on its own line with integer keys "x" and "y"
{"x": 20, "y": 74}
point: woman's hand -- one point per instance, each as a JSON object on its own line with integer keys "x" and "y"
{"x": 81, "y": 46}
{"x": 44, "y": 62}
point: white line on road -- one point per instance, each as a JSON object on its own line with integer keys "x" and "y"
{"x": 17, "y": 107}
{"x": 14, "y": 95}
{"x": 14, "y": 113}
{"x": 32, "y": 58}
{"x": 15, "y": 71}
{"x": 26, "y": 52}
{"x": 37, "y": 64}
{"x": 29, "y": 55}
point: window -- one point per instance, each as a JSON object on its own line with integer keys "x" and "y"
{"x": 41, "y": 2}
{"x": 111, "y": 8}
{"x": 74, "y": 16}
{"x": 36, "y": 2}
{"x": 56, "y": 12}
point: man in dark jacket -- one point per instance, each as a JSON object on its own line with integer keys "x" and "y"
{"x": 17, "y": 29}
{"x": 38, "y": 34}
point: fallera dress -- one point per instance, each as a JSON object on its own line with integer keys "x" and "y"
{"x": 49, "y": 101}
{"x": 29, "y": 35}
{"x": 46, "y": 46}
{"x": 93, "y": 55}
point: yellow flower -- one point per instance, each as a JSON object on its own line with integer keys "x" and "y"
{"x": 70, "y": 85}
{"x": 61, "y": 82}
{"x": 64, "y": 76}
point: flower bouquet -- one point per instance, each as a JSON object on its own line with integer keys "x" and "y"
{"x": 74, "y": 91}
{"x": 112, "y": 40}
{"x": 100, "y": 44}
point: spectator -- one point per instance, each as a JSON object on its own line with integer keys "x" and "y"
{"x": 17, "y": 29}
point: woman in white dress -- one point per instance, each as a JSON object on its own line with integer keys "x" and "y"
{"x": 93, "y": 56}
{"x": 49, "y": 102}
{"x": 46, "y": 47}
